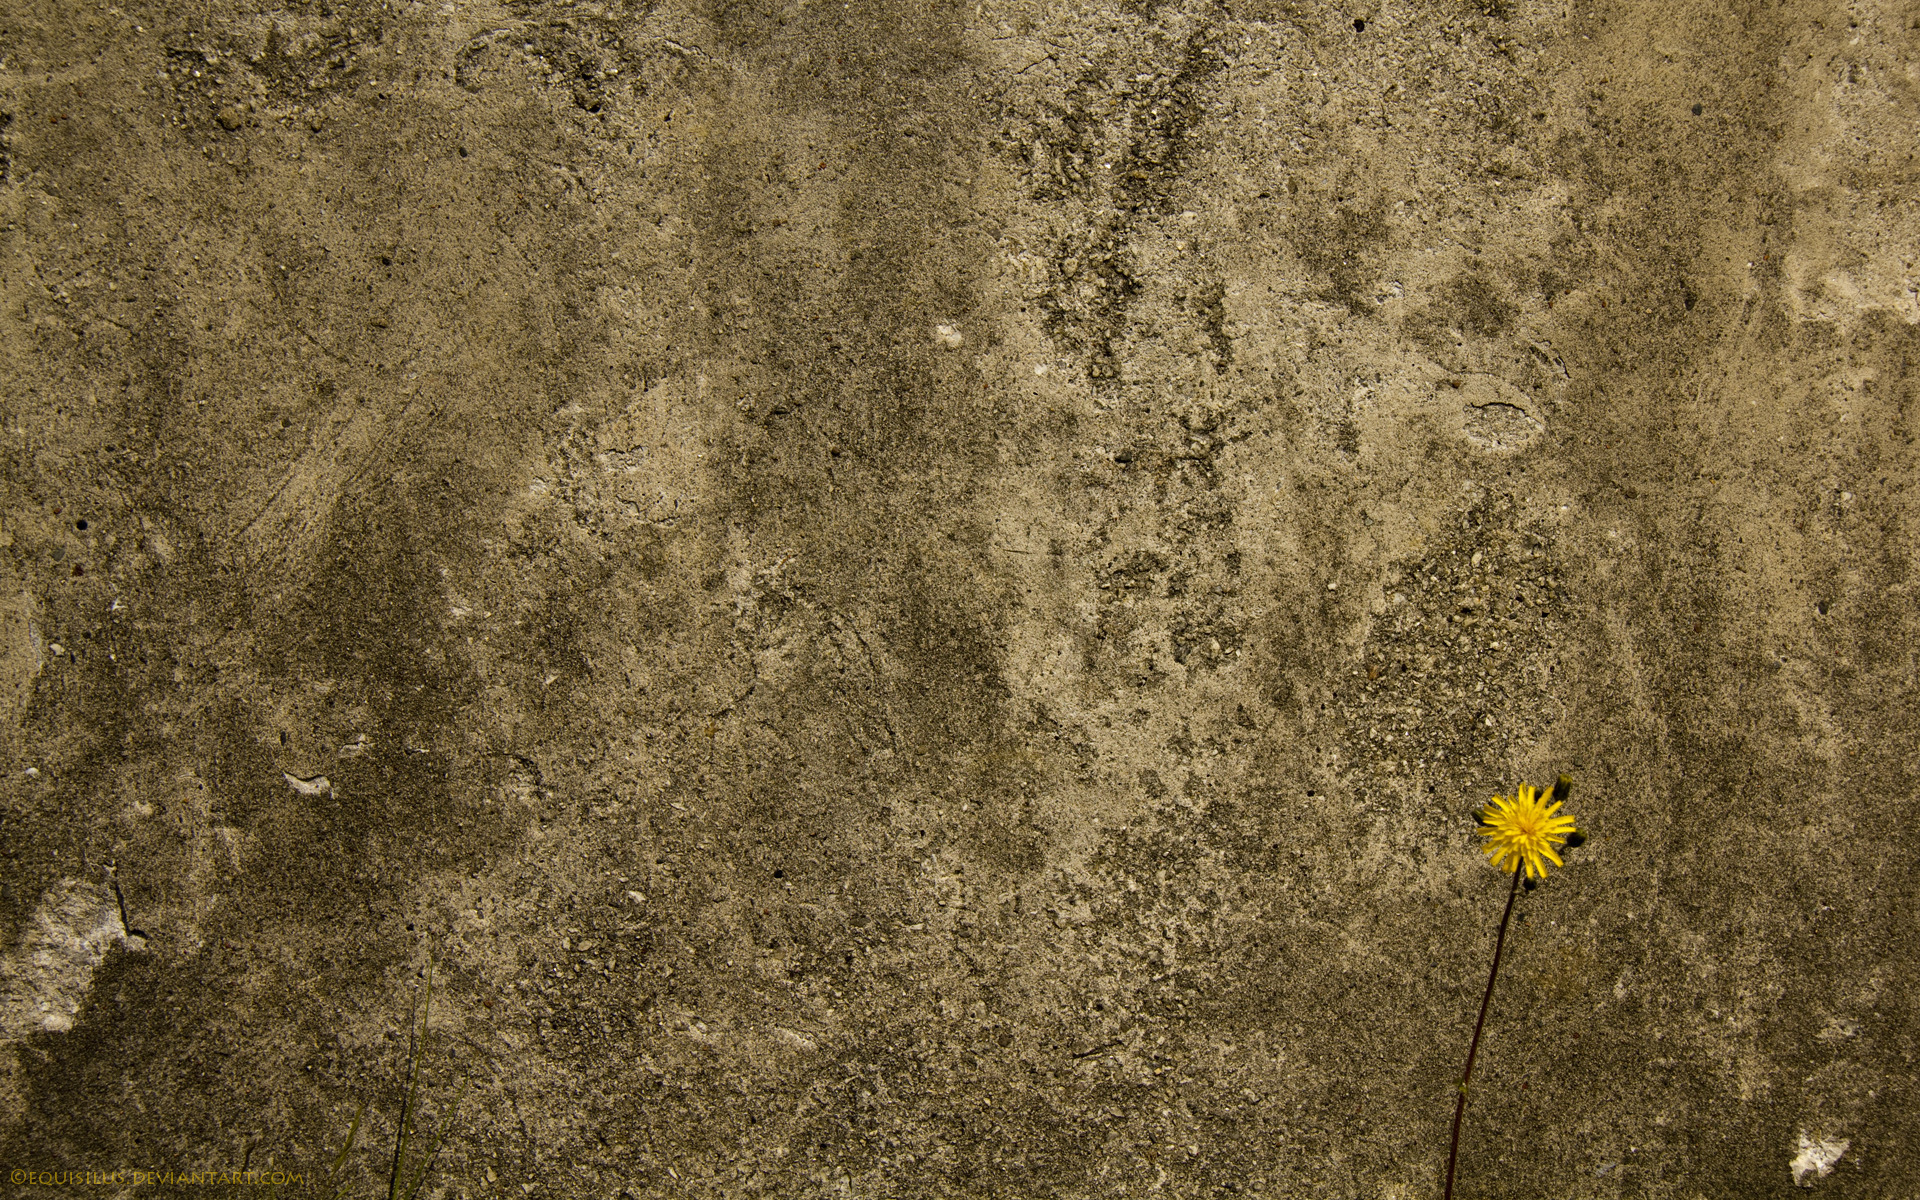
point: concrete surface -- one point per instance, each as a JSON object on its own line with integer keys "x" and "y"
{"x": 913, "y": 600}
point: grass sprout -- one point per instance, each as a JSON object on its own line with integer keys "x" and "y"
{"x": 408, "y": 1168}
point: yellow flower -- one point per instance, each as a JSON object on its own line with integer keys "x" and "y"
{"x": 1526, "y": 829}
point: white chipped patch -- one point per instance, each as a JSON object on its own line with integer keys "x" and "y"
{"x": 1816, "y": 1159}
{"x": 44, "y": 982}
{"x": 948, "y": 336}
{"x": 319, "y": 785}
{"x": 1495, "y": 416}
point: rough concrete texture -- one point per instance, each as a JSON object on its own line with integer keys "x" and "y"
{"x": 913, "y": 600}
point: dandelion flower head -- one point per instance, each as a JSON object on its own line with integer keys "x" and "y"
{"x": 1525, "y": 829}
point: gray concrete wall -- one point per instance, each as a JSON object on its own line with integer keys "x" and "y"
{"x": 914, "y": 600}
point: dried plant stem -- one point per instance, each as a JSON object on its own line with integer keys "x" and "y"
{"x": 1460, "y": 1105}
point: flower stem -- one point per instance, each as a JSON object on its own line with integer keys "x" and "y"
{"x": 1460, "y": 1106}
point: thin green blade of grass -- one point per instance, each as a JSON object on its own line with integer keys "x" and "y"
{"x": 439, "y": 1139}
{"x": 403, "y": 1184}
{"x": 415, "y": 1052}
{"x": 353, "y": 1131}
